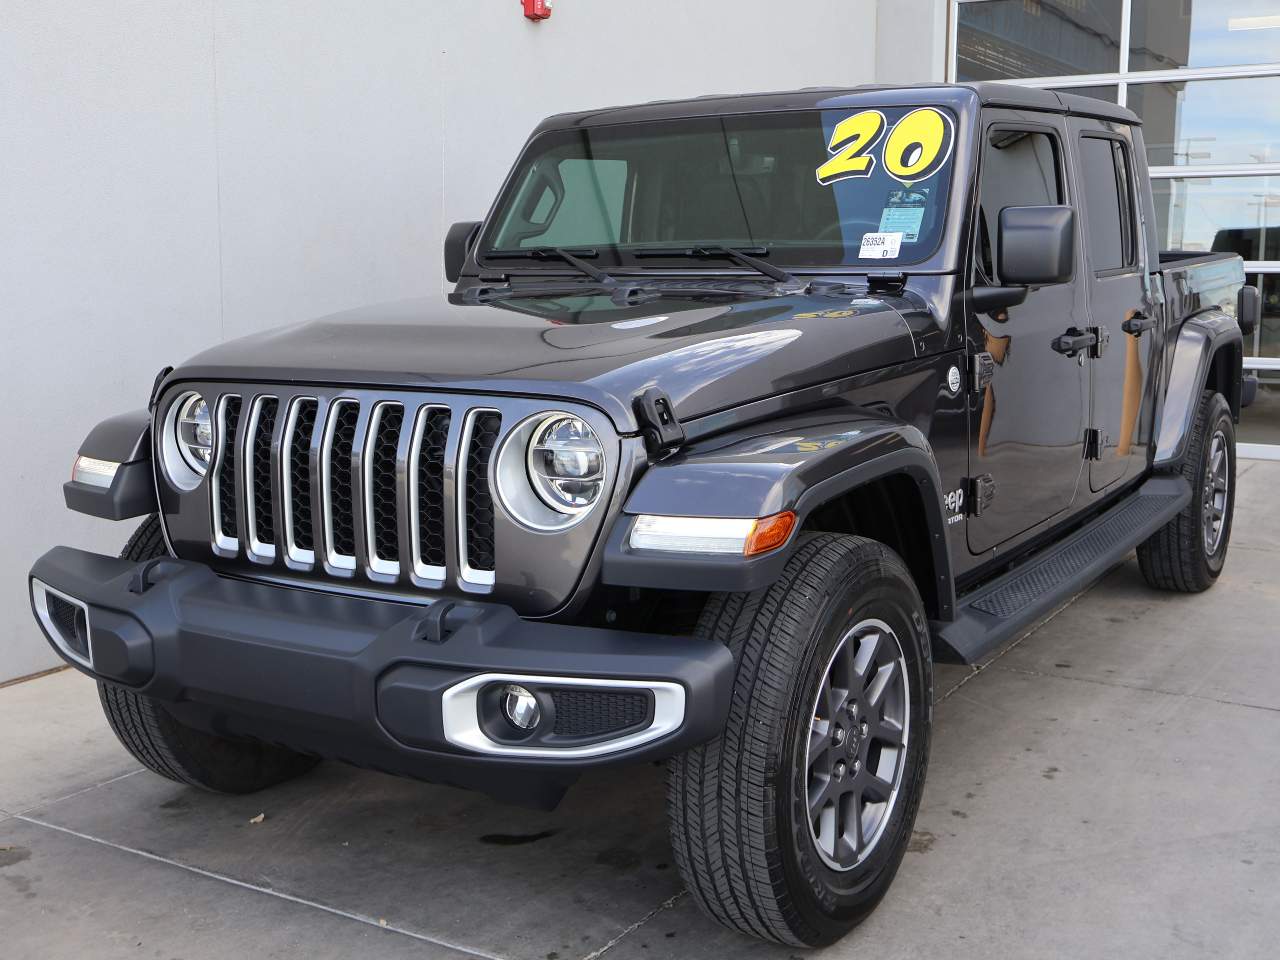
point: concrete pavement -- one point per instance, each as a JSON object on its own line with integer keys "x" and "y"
{"x": 1106, "y": 786}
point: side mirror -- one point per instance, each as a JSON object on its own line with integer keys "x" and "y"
{"x": 457, "y": 242}
{"x": 1249, "y": 309}
{"x": 1036, "y": 246}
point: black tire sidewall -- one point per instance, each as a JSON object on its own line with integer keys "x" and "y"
{"x": 829, "y": 901}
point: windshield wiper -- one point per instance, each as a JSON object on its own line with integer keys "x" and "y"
{"x": 739, "y": 255}
{"x": 574, "y": 259}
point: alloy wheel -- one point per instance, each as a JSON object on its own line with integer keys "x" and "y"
{"x": 857, "y": 746}
{"x": 1216, "y": 483}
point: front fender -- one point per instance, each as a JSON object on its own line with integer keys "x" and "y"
{"x": 124, "y": 440}
{"x": 798, "y": 465}
{"x": 1208, "y": 349}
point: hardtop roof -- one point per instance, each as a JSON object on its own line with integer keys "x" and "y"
{"x": 956, "y": 95}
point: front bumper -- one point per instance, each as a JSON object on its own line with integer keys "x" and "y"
{"x": 404, "y": 688}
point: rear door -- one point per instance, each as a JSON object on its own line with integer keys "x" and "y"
{"x": 1114, "y": 279}
{"x": 1027, "y": 424}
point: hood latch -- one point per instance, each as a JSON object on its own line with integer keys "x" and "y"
{"x": 662, "y": 432}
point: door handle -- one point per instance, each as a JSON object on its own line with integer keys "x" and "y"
{"x": 1138, "y": 324}
{"x": 1073, "y": 341}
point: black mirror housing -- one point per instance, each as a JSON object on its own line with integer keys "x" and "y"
{"x": 457, "y": 243}
{"x": 1249, "y": 309}
{"x": 1036, "y": 245}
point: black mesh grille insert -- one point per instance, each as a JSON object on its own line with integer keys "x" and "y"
{"x": 227, "y": 471}
{"x": 589, "y": 713}
{"x": 484, "y": 435}
{"x": 69, "y": 621}
{"x": 263, "y": 506}
{"x": 435, "y": 434}
{"x": 382, "y": 492}
{"x": 300, "y": 474}
{"x": 341, "y": 505}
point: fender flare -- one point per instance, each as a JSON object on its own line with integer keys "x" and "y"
{"x": 124, "y": 440}
{"x": 799, "y": 465}
{"x": 1197, "y": 355}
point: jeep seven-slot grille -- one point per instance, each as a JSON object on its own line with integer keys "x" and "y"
{"x": 357, "y": 485}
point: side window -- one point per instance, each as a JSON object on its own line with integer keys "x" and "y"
{"x": 1108, "y": 206}
{"x": 1020, "y": 168}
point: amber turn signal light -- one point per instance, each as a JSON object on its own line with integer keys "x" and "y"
{"x": 769, "y": 533}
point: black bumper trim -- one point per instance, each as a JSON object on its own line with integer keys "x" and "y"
{"x": 325, "y": 673}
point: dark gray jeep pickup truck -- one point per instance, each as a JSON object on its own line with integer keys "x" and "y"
{"x": 742, "y": 410}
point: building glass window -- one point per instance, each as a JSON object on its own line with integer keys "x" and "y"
{"x": 1109, "y": 93}
{"x": 1171, "y": 34}
{"x": 1220, "y": 214}
{"x": 1211, "y": 123}
{"x": 1196, "y": 122}
{"x": 997, "y": 39}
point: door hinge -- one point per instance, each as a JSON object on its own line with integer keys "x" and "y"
{"x": 982, "y": 370}
{"x": 662, "y": 432}
{"x": 1093, "y": 443}
{"x": 981, "y": 491}
{"x": 1101, "y": 343}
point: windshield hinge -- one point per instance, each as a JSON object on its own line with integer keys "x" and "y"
{"x": 886, "y": 282}
{"x": 663, "y": 433}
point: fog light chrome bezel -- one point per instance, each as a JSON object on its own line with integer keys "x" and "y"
{"x": 464, "y": 727}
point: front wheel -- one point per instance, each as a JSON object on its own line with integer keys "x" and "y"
{"x": 157, "y": 740}
{"x": 791, "y": 825}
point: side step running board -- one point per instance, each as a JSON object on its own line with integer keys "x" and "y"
{"x": 998, "y": 611}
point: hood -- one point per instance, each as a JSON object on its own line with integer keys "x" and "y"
{"x": 708, "y": 354}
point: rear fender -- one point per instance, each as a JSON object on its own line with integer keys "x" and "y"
{"x": 799, "y": 464}
{"x": 1208, "y": 354}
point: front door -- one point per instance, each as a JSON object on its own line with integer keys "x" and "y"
{"x": 1027, "y": 424}
{"x": 1114, "y": 279}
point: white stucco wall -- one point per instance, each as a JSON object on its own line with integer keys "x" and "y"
{"x": 183, "y": 172}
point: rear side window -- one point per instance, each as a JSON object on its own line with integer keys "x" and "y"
{"x": 1020, "y": 168}
{"x": 1108, "y": 208}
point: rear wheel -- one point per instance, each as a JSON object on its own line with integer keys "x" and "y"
{"x": 1188, "y": 553}
{"x": 791, "y": 825}
{"x": 172, "y": 749}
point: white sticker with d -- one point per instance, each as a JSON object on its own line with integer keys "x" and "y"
{"x": 880, "y": 246}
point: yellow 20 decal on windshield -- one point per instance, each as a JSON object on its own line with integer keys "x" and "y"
{"x": 917, "y": 147}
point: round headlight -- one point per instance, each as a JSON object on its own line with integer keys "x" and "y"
{"x": 186, "y": 441}
{"x": 194, "y": 432}
{"x": 566, "y": 464}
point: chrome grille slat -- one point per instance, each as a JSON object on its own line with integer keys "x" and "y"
{"x": 378, "y": 478}
{"x": 427, "y": 511}
{"x": 296, "y": 482}
{"x": 222, "y": 478}
{"x": 475, "y": 499}
{"x": 337, "y": 495}
{"x": 255, "y": 480}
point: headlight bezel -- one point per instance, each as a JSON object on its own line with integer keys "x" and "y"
{"x": 183, "y": 469}
{"x": 515, "y": 479}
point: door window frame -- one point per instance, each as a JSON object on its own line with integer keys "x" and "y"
{"x": 1129, "y": 220}
{"x": 1057, "y": 139}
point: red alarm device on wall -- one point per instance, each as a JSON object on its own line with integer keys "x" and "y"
{"x": 537, "y": 9}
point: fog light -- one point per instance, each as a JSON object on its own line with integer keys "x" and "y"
{"x": 520, "y": 707}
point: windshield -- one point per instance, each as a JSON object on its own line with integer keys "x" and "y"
{"x": 806, "y": 188}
